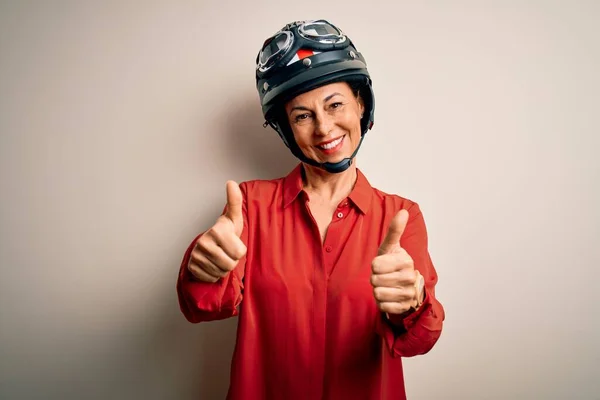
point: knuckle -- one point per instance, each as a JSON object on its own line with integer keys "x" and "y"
{"x": 374, "y": 280}
{"x": 221, "y": 230}
{"x": 374, "y": 264}
{"x": 192, "y": 267}
{"x": 221, "y": 273}
{"x": 212, "y": 276}
{"x": 238, "y": 254}
{"x": 412, "y": 279}
{"x": 227, "y": 265}
{"x": 195, "y": 270}
{"x": 400, "y": 259}
{"x": 216, "y": 233}
{"x": 396, "y": 279}
{"x": 378, "y": 264}
{"x": 203, "y": 242}
{"x": 406, "y": 277}
{"x": 413, "y": 293}
{"x": 226, "y": 225}
{"x": 403, "y": 288}
{"x": 408, "y": 294}
{"x": 243, "y": 250}
{"x": 398, "y": 294}
{"x": 214, "y": 268}
{"x": 389, "y": 261}
{"x": 195, "y": 261}
{"x": 201, "y": 268}
{"x": 202, "y": 272}
{"x": 239, "y": 250}
{"x": 193, "y": 257}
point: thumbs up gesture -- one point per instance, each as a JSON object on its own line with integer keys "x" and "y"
{"x": 220, "y": 248}
{"x": 394, "y": 278}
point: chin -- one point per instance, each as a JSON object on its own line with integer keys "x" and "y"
{"x": 332, "y": 158}
{"x": 337, "y": 158}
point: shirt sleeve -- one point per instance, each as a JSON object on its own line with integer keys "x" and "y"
{"x": 206, "y": 301}
{"x": 418, "y": 332}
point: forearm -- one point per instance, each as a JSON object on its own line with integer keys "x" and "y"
{"x": 416, "y": 333}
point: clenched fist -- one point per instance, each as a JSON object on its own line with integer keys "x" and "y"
{"x": 220, "y": 248}
{"x": 397, "y": 286}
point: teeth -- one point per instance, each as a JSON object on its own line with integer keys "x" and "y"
{"x": 331, "y": 145}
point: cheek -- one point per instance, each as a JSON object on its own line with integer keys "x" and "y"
{"x": 353, "y": 125}
{"x": 301, "y": 135}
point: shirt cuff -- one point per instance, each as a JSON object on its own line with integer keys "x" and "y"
{"x": 406, "y": 321}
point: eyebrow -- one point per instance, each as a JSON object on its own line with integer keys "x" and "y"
{"x": 325, "y": 100}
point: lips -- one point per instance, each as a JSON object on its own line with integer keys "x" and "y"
{"x": 332, "y": 145}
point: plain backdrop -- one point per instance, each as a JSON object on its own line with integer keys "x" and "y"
{"x": 121, "y": 121}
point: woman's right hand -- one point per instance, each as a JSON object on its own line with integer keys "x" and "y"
{"x": 219, "y": 249}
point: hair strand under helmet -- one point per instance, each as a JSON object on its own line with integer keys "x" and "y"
{"x": 303, "y": 56}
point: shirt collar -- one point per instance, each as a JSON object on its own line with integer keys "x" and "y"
{"x": 361, "y": 195}
{"x": 292, "y": 185}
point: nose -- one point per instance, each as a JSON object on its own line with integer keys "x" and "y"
{"x": 324, "y": 124}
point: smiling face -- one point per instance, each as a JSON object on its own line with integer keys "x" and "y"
{"x": 326, "y": 122}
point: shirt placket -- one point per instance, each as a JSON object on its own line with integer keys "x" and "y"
{"x": 324, "y": 264}
{"x": 332, "y": 244}
{"x": 329, "y": 254}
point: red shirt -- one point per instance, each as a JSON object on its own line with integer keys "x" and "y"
{"x": 309, "y": 327}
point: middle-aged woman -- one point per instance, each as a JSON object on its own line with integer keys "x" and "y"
{"x": 331, "y": 278}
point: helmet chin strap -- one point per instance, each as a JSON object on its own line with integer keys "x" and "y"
{"x": 334, "y": 168}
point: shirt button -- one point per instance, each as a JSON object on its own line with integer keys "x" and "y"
{"x": 340, "y": 215}
{"x": 328, "y": 249}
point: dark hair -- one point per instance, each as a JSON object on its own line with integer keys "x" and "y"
{"x": 356, "y": 87}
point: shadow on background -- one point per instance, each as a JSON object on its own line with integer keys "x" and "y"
{"x": 260, "y": 151}
{"x": 196, "y": 359}
{"x": 160, "y": 355}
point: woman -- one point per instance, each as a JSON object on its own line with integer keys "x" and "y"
{"x": 331, "y": 278}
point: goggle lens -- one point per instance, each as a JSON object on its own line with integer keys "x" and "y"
{"x": 321, "y": 31}
{"x": 274, "y": 48}
{"x": 277, "y": 47}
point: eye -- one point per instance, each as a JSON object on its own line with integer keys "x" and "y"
{"x": 301, "y": 117}
{"x": 335, "y": 105}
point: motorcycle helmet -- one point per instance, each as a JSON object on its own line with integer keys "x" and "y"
{"x": 300, "y": 57}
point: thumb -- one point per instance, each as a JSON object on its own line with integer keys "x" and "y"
{"x": 234, "y": 206}
{"x": 394, "y": 233}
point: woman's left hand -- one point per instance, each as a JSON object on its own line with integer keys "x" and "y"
{"x": 394, "y": 277}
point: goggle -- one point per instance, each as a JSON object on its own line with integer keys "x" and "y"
{"x": 275, "y": 48}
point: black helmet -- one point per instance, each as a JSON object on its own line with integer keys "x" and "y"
{"x": 302, "y": 56}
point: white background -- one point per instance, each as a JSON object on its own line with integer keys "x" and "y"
{"x": 121, "y": 121}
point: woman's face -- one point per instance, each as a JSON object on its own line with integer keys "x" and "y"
{"x": 326, "y": 122}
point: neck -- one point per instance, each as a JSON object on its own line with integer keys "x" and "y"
{"x": 327, "y": 186}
